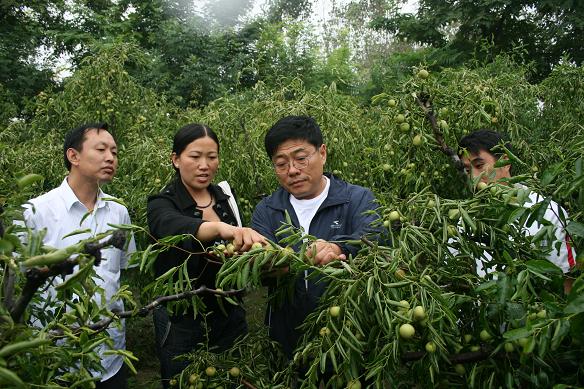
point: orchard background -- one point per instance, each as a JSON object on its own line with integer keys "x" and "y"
{"x": 161, "y": 66}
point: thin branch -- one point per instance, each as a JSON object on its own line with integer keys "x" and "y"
{"x": 425, "y": 102}
{"x": 372, "y": 245}
{"x": 37, "y": 276}
{"x": 9, "y": 281}
{"x": 146, "y": 309}
{"x": 473, "y": 356}
{"x": 248, "y": 384}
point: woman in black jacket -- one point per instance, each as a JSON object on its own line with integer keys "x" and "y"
{"x": 191, "y": 204}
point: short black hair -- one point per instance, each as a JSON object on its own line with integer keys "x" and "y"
{"x": 292, "y": 127}
{"x": 190, "y": 133}
{"x": 75, "y": 138}
{"x": 484, "y": 139}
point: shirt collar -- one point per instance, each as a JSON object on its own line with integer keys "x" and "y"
{"x": 71, "y": 199}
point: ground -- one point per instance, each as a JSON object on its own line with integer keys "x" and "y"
{"x": 140, "y": 338}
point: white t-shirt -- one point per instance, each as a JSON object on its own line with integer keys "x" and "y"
{"x": 61, "y": 212}
{"x": 306, "y": 209}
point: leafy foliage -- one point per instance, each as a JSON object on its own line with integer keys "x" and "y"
{"x": 543, "y": 30}
{"x": 443, "y": 223}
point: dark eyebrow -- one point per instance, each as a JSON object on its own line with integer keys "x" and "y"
{"x": 106, "y": 145}
{"x": 292, "y": 153}
{"x": 477, "y": 160}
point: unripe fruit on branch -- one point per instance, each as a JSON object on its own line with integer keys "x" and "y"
{"x": 417, "y": 141}
{"x": 210, "y": 371}
{"x": 407, "y": 331}
{"x": 430, "y": 347}
{"x": 485, "y": 336}
{"x": 419, "y": 313}
{"x": 335, "y": 311}
{"x": 423, "y": 74}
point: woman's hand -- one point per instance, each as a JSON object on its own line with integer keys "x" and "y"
{"x": 244, "y": 238}
{"x": 241, "y": 237}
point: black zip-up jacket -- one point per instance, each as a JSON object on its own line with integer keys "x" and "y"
{"x": 173, "y": 212}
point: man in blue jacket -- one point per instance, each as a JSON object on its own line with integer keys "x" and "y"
{"x": 322, "y": 205}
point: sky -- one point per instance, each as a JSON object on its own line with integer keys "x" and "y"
{"x": 321, "y": 9}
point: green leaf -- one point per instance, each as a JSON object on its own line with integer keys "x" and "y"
{"x": 6, "y": 247}
{"x": 575, "y": 228}
{"x": 542, "y": 266}
{"x": 485, "y": 285}
{"x": 516, "y": 214}
{"x": 518, "y": 333}
{"x": 28, "y": 180}
{"x": 538, "y": 211}
{"x": 549, "y": 175}
{"x": 576, "y": 305}
{"x": 115, "y": 200}
{"x": 562, "y": 329}
{"x": 77, "y": 232}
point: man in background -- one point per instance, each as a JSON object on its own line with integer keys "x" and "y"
{"x": 480, "y": 151}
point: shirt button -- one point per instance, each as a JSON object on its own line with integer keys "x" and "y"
{"x": 218, "y": 206}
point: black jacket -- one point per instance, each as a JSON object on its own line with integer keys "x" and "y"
{"x": 173, "y": 212}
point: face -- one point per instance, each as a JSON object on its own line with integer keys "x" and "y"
{"x": 198, "y": 163}
{"x": 302, "y": 182}
{"x": 483, "y": 164}
{"x": 98, "y": 158}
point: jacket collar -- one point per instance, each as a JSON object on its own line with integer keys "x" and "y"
{"x": 338, "y": 194}
{"x": 183, "y": 197}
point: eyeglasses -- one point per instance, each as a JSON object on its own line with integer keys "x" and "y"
{"x": 299, "y": 162}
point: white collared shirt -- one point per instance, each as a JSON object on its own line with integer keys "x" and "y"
{"x": 60, "y": 212}
{"x": 560, "y": 251}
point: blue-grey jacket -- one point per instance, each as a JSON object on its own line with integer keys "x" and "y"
{"x": 342, "y": 216}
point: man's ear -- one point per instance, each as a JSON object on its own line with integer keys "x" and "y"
{"x": 322, "y": 152}
{"x": 73, "y": 156}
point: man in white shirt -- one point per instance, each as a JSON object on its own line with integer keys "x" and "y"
{"x": 480, "y": 151}
{"x": 90, "y": 154}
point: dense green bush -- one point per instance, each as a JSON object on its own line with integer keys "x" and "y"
{"x": 369, "y": 146}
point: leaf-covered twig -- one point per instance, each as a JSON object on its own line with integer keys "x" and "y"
{"x": 143, "y": 311}
{"x": 37, "y": 276}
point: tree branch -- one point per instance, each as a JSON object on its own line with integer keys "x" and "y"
{"x": 248, "y": 384}
{"x": 37, "y": 276}
{"x": 143, "y": 311}
{"x": 473, "y": 356}
{"x": 8, "y": 287}
{"x": 372, "y": 245}
{"x": 425, "y": 102}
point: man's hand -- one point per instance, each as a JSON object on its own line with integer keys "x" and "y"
{"x": 322, "y": 252}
